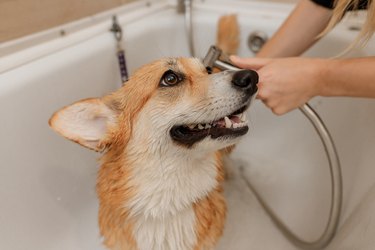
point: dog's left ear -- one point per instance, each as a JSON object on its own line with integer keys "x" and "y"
{"x": 85, "y": 122}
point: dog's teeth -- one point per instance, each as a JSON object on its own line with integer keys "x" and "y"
{"x": 191, "y": 126}
{"x": 228, "y": 122}
{"x": 243, "y": 117}
{"x": 207, "y": 126}
{"x": 239, "y": 125}
{"x": 200, "y": 126}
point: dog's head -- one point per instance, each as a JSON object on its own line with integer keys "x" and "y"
{"x": 168, "y": 103}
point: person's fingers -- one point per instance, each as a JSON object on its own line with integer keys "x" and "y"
{"x": 249, "y": 63}
{"x": 259, "y": 95}
{"x": 276, "y": 106}
{"x": 273, "y": 104}
{"x": 262, "y": 92}
{"x": 280, "y": 110}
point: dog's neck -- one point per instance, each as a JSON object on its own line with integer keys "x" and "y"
{"x": 169, "y": 179}
{"x": 169, "y": 182}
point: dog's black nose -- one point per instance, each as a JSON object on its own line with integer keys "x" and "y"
{"x": 246, "y": 79}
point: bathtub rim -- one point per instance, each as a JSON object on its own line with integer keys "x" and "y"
{"x": 26, "y": 49}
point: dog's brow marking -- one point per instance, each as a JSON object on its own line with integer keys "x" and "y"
{"x": 172, "y": 62}
{"x": 173, "y": 65}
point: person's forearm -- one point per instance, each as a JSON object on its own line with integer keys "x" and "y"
{"x": 347, "y": 77}
{"x": 298, "y": 32}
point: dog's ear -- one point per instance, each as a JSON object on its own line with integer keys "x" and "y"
{"x": 85, "y": 122}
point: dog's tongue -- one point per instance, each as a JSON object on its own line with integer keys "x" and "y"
{"x": 235, "y": 119}
{"x": 220, "y": 123}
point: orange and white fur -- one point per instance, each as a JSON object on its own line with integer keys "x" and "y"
{"x": 158, "y": 189}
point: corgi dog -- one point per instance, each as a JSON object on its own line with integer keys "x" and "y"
{"x": 160, "y": 181}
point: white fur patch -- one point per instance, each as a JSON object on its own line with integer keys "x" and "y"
{"x": 167, "y": 186}
{"x": 174, "y": 232}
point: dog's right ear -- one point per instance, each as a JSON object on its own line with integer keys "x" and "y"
{"x": 85, "y": 122}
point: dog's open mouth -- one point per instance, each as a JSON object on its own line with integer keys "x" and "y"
{"x": 232, "y": 125}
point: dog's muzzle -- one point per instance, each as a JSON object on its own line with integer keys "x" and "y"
{"x": 231, "y": 125}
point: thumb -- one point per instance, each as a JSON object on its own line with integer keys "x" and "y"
{"x": 249, "y": 63}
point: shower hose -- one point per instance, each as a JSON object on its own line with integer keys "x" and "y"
{"x": 333, "y": 159}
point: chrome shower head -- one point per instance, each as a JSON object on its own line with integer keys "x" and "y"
{"x": 215, "y": 58}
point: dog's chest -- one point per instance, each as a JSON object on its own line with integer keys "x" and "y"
{"x": 175, "y": 232}
{"x": 166, "y": 187}
{"x": 163, "y": 204}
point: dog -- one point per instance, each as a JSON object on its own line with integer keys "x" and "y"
{"x": 160, "y": 181}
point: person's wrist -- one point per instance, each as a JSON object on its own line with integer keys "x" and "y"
{"x": 321, "y": 71}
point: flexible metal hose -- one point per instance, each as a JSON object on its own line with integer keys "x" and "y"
{"x": 332, "y": 156}
{"x": 336, "y": 189}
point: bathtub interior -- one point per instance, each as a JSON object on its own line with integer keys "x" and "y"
{"x": 52, "y": 202}
{"x": 47, "y": 185}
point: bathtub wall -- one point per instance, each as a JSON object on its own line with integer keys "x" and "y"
{"x": 19, "y": 18}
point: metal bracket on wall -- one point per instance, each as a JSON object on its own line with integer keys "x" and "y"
{"x": 117, "y": 31}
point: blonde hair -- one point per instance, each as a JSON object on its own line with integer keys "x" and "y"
{"x": 368, "y": 29}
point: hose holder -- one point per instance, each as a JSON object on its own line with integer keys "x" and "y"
{"x": 117, "y": 32}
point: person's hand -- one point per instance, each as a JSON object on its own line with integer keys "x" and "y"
{"x": 285, "y": 83}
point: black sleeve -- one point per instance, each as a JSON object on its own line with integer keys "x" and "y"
{"x": 324, "y": 3}
{"x": 363, "y": 4}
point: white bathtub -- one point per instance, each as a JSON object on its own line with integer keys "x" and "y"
{"x": 47, "y": 184}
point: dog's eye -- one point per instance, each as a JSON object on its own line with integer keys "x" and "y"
{"x": 170, "y": 78}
